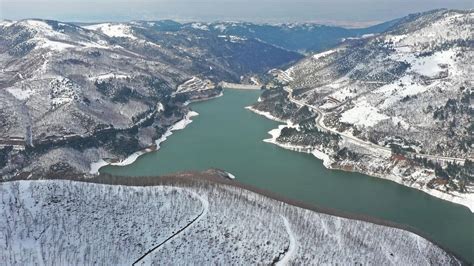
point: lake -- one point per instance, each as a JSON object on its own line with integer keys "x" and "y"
{"x": 225, "y": 135}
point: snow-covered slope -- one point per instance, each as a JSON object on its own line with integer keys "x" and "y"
{"x": 390, "y": 97}
{"x": 91, "y": 92}
{"x": 398, "y": 83}
{"x": 113, "y": 30}
{"x": 65, "y": 222}
{"x": 61, "y": 222}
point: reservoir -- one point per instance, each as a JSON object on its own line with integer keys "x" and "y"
{"x": 225, "y": 135}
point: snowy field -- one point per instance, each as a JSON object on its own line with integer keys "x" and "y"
{"x": 73, "y": 223}
{"x": 113, "y": 30}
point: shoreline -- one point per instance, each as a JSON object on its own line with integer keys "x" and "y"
{"x": 467, "y": 201}
{"x": 181, "y": 124}
{"x": 204, "y": 99}
{"x": 211, "y": 178}
{"x": 267, "y": 115}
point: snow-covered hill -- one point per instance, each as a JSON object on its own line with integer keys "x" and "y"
{"x": 91, "y": 92}
{"x": 113, "y": 30}
{"x": 406, "y": 92}
{"x": 405, "y": 83}
{"x": 65, "y": 222}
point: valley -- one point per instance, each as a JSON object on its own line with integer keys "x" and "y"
{"x": 121, "y": 85}
{"x": 214, "y": 139}
{"x": 306, "y": 133}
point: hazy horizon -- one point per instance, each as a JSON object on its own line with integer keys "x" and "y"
{"x": 337, "y": 12}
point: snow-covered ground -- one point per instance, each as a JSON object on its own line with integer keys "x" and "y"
{"x": 232, "y": 38}
{"x": 21, "y": 93}
{"x": 230, "y": 176}
{"x": 265, "y": 114}
{"x": 199, "y": 26}
{"x": 52, "y": 45}
{"x": 364, "y": 115}
{"x": 323, "y": 54}
{"x": 66, "y": 222}
{"x": 108, "y": 76}
{"x": 290, "y": 252}
{"x": 113, "y": 30}
{"x": 194, "y": 84}
{"x": 275, "y": 133}
{"x": 398, "y": 82}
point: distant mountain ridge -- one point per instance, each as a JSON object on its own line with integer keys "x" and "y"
{"x": 301, "y": 37}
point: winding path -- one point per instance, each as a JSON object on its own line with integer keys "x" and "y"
{"x": 320, "y": 124}
{"x": 292, "y": 246}
{"x": 144, "y": 259}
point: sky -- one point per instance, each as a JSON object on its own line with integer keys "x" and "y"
{"x": 350, "y": 12}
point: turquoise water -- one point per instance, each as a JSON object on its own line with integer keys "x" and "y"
{"x": 227, "y": 136}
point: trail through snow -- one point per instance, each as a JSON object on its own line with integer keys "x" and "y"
{"x": 292, "y": 248}
{"x": 146, "y": 259}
